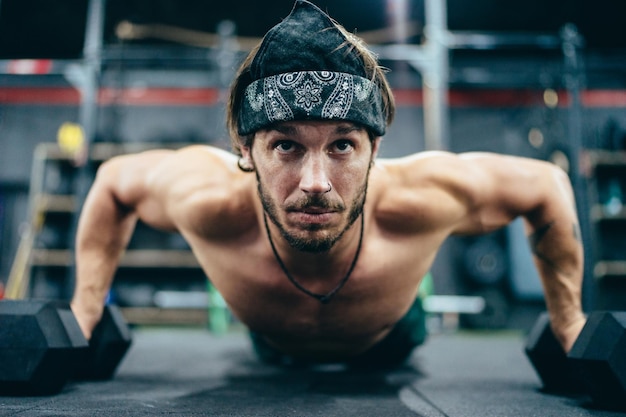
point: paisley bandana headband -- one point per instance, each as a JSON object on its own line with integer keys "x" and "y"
{"x": 305, "y": 69}
{"x": 312, "y": 95}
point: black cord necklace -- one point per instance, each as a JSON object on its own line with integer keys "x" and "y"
{"x": 322, "y": 298}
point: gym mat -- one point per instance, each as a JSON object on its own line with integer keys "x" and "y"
{"x": 191, "y": 372}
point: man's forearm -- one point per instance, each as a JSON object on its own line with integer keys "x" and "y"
{"x": 556, "y": 244}
{"x": 103, "y": 232}
{"x": 558, "y": 256}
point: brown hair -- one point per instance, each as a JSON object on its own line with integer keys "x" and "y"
{"x": 373, "y": 71}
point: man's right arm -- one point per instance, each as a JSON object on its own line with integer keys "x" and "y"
{"x": 106, "y": 224}
{"x": 191, "y": 191}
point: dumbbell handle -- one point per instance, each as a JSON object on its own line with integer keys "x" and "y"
{"x": 87, "y": 317}
{"x": 108, "y": 344}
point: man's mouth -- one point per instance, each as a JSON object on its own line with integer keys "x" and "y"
{"x": 312, "y": 215}
{"x": 315, "y": 210}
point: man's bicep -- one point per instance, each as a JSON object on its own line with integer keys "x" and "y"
{"x": 500, "y": 188}
{"x": 128, "y": 179}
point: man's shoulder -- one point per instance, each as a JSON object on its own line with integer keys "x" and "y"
{"x": 207, "y": 171}
{"x": 419, "y": 192}
{"x": 196, "y": 166}
{"x": 202, "y": 184}
{"x": 417, "y": 168}
{"x": 204, "y": 153}
{"x": 422, "y": 158}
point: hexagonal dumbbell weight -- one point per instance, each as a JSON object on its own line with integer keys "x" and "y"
{"x": 39, "y": 343}
{"x": 596, "y": 364}
{"x": 42, "y": 346}
{"x": 599, "y": 357}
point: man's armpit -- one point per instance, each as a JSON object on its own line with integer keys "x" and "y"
{"x": 577, "y": 233}
{"x": 536, "y": 238}
{"x": 538, "y": 235}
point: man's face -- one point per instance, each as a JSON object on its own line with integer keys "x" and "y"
{"x": 312, "y": 179}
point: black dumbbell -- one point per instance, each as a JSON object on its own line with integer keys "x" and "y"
{"x": 550, "y": 361}
{"x": 599, "y": 357}
{"x": 109, "y": 342}
{"x": 39, "y": 342}
{"x": 42, "y": 346}
{"x": 596, "y": 364}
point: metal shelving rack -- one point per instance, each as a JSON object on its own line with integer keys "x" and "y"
{"x": 607, "y": 182}
{"x": 51, "y": 208}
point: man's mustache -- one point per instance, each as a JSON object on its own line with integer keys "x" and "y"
{"x": 316, "y": 201}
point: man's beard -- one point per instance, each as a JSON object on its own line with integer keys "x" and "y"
{"x": 323, "y": 244}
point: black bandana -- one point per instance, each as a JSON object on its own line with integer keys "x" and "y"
{"x": 305, "y": 70}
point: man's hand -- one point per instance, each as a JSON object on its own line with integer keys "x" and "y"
{"x": 567, "y": 334}
{"x": 87, "y": 317}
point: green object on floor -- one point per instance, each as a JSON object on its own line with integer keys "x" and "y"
{"x": 427, "y": 286}
{"x": 219, "y": 314}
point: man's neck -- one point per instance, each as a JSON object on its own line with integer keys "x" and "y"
{"x": 325, "y": 297}
{"x": 316, "y": 263}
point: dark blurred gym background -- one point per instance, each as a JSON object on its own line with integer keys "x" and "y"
{"x": 543, "y": 79}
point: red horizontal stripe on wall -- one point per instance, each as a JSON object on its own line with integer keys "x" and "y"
{"x": 176, "y": 96}
{"x": 475, "y": 98}
{"x": 39, "y": 95}
{"x": 109, "y": 96}
{"x": 495, "y": 98}
{"x": 159, "y": 96}
{"x": 514, "y": 98}
{"x": 408, "y": 97}
{"x": 603, "y": 98}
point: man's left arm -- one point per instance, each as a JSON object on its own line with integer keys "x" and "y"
{"x": 556, "y": 244}
{"x": 506, "y": 187}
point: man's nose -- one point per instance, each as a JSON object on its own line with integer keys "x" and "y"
{"x": 314, "y": 176}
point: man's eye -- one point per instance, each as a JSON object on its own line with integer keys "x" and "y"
{"x": 285, "y": 146}
{"x": 343, "y": 146}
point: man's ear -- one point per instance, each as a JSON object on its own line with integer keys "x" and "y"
{"x": 245, "y": 162}
{"x": 376, "y": 146}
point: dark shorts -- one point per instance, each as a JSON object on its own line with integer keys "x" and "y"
{"x": 392, "y": 351}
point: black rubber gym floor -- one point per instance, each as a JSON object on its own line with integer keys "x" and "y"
{"x": 190, "y": 372}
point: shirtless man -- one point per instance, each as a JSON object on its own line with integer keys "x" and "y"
{"x": 315, "y": 244}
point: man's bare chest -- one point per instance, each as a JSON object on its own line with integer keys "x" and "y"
{"x": 364, "y": 305}
{"x": 374, "y": 296}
